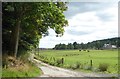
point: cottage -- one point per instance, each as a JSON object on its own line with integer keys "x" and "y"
{"x": 109, "y": 46}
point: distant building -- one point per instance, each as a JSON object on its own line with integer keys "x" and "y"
{"x": 109, "y": 46}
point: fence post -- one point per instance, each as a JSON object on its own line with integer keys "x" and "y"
{"x": 91, "y": 63}
{"x": 62, "y": 60}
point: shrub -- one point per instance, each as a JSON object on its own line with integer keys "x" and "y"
{"x": 60, "y": 61}
{"x": 55, "y": 64}
{"x": 51, "y": 63}
{"x": 76, "y": 66}
{"x": 95, "y": 69}
{"x": 87, "y": 67}
{"x": 103, "y": 67}
{"x": 81, "y": 66}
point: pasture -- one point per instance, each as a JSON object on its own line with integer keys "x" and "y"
{"x": 94, "y": 60}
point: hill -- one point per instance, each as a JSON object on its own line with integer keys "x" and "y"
{"x": 97, "y": 44}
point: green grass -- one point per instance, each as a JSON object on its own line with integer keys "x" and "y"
{"x": 98, "y": 57}
{"x": 27, "y": 69}
{"x": 31, "y": 71}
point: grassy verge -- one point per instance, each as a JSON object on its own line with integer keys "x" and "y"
{"x": 23, "y": 68}
{"x": 32, "y": 71}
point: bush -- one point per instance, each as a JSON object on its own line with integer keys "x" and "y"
{"x": 76, "y": 66}
{"x": 81, "y": 66}
{"x": 51, "y": 63}
{"x": 87, "y": 67}
{"x": 103, "y": 67}
{"x": 59, "y": 61}
{"x": 95, "y": 69}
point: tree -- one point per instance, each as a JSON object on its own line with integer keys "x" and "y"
{"x": 75, "y": 45}
{"x": 70, "y": 46}
{"x": 118, "y": 42}
{"x": 27, "y": 22}
{"x": 60, "y": 46}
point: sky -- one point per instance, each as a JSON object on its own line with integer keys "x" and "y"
{"x": 88, "y": 21}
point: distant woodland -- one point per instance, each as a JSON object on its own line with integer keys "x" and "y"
{"x": 98, "y": 44}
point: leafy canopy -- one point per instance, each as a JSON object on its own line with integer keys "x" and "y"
{"x": 35, "y": 20}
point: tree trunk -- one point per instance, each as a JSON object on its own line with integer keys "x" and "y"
{"x": 15, "y": 39}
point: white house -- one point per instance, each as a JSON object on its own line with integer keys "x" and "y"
{"x": 109, "y": 46}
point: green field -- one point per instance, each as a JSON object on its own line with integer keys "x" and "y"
{"x": 72, "y": 58}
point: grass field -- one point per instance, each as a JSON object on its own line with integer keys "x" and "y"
{"x": 81, "y": 60}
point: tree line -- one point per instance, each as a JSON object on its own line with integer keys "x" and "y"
{"x": 98, "y": 44}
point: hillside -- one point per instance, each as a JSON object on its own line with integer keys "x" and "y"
{"x": 97, "y": 44}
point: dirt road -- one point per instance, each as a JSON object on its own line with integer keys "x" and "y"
{"x": 52, "y": 71}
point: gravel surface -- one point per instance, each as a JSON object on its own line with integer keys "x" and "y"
{"x": 52, "y": 71}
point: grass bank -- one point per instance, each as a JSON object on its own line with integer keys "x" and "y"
{"x": 20, "y": 67}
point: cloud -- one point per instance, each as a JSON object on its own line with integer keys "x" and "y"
{"x": 85, "y": 19}
{"x": 108, "y": 14}
{"x": 87, "y": 22}
{"x": 73, "y": 32}
{"x": 82, "y": 7}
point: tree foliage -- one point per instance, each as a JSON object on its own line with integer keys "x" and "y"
{"x": 25, "y": 23}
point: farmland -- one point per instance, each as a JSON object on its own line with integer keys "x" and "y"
{"x": 82, "y": 60}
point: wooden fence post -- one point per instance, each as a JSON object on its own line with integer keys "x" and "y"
{"x": 91, "y": 63}
{"x": 62, "y": 60}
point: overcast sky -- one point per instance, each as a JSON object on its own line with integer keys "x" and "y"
{"x": 88, "y": 21}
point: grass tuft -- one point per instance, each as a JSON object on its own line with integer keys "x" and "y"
{"x": 103, "y": 66}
